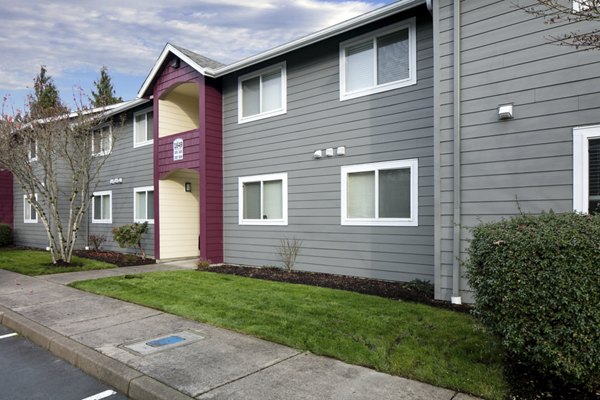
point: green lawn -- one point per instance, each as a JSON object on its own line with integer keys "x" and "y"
{"x": 416, "y": 341}
{"x": 35, "y": 262}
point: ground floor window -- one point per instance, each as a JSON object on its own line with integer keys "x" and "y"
{"x": 384, "y": 193}
{"x": 586, "y": 169}
{"x": 143, "y": 204}
{"x": 102, "y": 207}
{"x": 29, "y": 213}
{"x": 263, "y": 200}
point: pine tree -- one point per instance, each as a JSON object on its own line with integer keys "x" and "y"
{"x": 105, "y": 93}
{"x": 45, "y": 99}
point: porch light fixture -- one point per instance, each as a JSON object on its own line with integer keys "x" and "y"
{"x": 505, "y": 111}
{"x": 188, "y": 187}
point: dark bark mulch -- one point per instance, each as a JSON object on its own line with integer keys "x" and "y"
{"x": 416, "y": 291}
{"x": 112, "y": 257}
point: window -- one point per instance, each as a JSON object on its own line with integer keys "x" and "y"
{"x": 32, "y": 152}
{"x": 383, "y": 193}
{"x": 581, "y": 5}
{"x": 263, "y": 200}
{"x": 29, "y": 213}
{"x": 102, "y": 207}
{"x": 101, "y": 141}
{"x": 586, "y": 169}
{"x": 380, "y": 61}
{"x": 143, "y": 204}
{"x": 143, "y": 128}
{"x": 262, "y": 94}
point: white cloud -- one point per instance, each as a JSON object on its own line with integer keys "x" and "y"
{"x": 76, "y": 38}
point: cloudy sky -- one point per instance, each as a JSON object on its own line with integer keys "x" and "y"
{"x": 73, "y": 39}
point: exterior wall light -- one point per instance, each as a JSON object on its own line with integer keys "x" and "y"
{"x": 505, "y": 111}
{"x": 188, "y": 187}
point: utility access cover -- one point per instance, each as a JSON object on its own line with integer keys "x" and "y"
{"x": 163, "y": 342}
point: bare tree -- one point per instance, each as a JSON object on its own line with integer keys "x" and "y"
{"x": 582, "y": 15}
{"x": 56, "y": 161}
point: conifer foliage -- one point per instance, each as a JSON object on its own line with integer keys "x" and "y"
{"x": 104, "y": 95}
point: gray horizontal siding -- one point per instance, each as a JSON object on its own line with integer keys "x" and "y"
{"x": 135, "y": 166}
{"x": 522, "y": 164}
{"x": 387, "y": 126}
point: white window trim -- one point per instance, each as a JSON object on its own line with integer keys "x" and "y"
{"x": 280, "y": 66}
{"x": 138, "y": 190}
{"x": 284, "y": 199}
{"x": 102, "y": 221}
{"x": 412, "y": 43}
{"x": 26, "y": 204}
{"x": 413, "y": 164}
{"x": 146, "y": 142}
{"x": 578, "y": 6}
{"x": 110, "y": 139}
{"x": 31, "y": 159}
{"x": 581, "y": 192}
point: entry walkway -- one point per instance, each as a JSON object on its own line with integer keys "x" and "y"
{"x": 106, "y": 338}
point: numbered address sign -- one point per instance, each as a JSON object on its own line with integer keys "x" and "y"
{"x": 177, "y": 149}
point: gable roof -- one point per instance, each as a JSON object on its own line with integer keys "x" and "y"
{"x": 214, "y": 69}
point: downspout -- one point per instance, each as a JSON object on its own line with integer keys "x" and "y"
{"x": 456, "y": 298}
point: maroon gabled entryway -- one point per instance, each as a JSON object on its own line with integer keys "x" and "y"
{"x": 202, "y": 153}
{"x": 6, "y": 197}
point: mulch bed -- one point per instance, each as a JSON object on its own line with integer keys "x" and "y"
{"x": 112, "y": 257}
{"x": 417, "y": 291}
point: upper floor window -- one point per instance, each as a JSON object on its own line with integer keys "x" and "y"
{"x": 586, "y": 169}
{"x": 143, "y": 204}
{"x": 263, "y": 200}
{"x": 143, "y": 128}
{"x": 262, "y": 94}
{"x": 29, "y": 213}
{"x": 102, "y": 207}
{"x": 101, "y": 141}
{"x": 382, "y": 193}
{"x": 380, "y": 61}
{"x": 32, "y": 151}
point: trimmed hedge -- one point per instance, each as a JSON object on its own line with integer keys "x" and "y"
{"x": 537, "y": 286}
{"x": 6, "y": 236}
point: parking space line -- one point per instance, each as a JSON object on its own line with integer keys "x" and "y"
{"x": 8, "y": 335}
{"x": 101, "y": 395}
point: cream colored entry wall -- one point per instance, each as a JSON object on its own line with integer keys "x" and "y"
{"x": 179, "y": 215}
{"x": 178, "y": 110}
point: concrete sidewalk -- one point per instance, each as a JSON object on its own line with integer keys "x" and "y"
{"x": 108, "y": 338}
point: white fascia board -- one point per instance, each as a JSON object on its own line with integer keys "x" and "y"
{"x": 319, "y": 36}
{"x": 169, "y": 48}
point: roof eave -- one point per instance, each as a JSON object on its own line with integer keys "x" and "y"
{"x": 323, "y": 34}
{"x": 169, "y": 49}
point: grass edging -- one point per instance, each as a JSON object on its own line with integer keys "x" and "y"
{"x": 416, "y": 341}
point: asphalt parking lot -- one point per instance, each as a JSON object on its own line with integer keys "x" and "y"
{"x": 28, "y": 372}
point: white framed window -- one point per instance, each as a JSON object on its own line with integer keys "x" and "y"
{"x": 102, "y": 207}
{"x": 384, "y": 193}
{"x": 586, "y": 168}
{"x": 382, "y": 60}
{"x": 29, "y": 212}
{"x": 32, "y": 151}
{"x": 263, "y": 200}
{"x": 102, "y": 141}
{"x": 143, "y": 128}
{"x": 143, "y": 204}
{"x": 581, "y": 5}
{"x": 262, "y": 94}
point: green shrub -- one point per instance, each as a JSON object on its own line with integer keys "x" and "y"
{"x": 537, "y": 286}
{"x": 131, "y": 236}
{"x": 6, "y": 236}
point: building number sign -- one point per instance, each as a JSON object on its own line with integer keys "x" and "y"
{"x": 178, "y": 149}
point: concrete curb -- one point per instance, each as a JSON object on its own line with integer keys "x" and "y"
{"x": 125, "y": 379}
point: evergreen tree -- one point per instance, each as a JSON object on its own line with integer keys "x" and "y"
{"x": 45, "y": 99}
{"x": 105, "y": 93}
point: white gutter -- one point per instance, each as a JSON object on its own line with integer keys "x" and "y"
{"x": 456, "y": 298}
{"x": 318, "y": 36}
